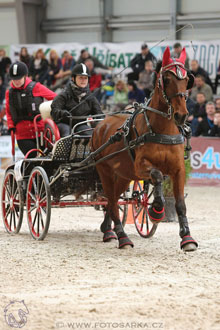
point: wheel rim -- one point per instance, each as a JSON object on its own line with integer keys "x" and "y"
{"x": 143, "y": 225}
{"x": 38, "y": 204}
{"x": 12, "y": 204}
{"x": 123, "y": 210}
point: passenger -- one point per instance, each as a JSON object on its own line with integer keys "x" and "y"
{"x": 75, "y": 100}
{"x": 22, "y": 105}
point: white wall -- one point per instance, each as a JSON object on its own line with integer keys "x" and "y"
{"x": 72, "y": 8}
{"x": 8, "y": 26}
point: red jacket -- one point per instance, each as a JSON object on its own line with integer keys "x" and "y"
{"x": 25, "y": 128}
{"x": 95, "y": 81}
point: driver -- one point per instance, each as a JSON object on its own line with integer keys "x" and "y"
{"x": 77, "y": 97}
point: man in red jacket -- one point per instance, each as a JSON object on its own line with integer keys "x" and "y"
{"x": 22, "y": 105}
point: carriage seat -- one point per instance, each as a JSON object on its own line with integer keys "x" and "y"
{"x": 71, "y": 148}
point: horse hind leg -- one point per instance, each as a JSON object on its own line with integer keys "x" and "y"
{"x": 156, "y": 210}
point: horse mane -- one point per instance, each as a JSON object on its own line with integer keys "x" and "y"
{"x": 157, "y": 70}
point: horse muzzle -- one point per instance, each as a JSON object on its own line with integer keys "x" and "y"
{"x": 179, "y": 119}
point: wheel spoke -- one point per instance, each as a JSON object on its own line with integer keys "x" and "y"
{"x": 139, "y": 211}
{"x": 42, "y": 221}
{"x": 16, "y": 191}
{"x": 142, "y": 222}
{"x": 32, "y": 209}
{"x": 7, "y": 190}
{"x": 43, "y": 199}
{"x": 10, "y": 220}
{"x": 13, "y": 186}
{"x": 14, "y": 220}
{"x": 32, "y": 196}
{"x": 35, "y": 217}
{"x": 41, "y": 187}
{"x": 38, "y": 224}
{"x": 16, "y": 212}
{"x": 34, "y": 185}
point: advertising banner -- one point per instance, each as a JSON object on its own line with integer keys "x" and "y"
{"x": 205, "y": 161}
{"x": 119, "y": 55}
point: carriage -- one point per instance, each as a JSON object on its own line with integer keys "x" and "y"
{"x": 63, "y": 175}
{"x": 101, "y": 169}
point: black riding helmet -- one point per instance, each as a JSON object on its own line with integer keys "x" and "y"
{"x": 18, "y": 70}
{"x": 80, "y": 70}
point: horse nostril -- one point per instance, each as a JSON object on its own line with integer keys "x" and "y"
{"x": 180, "y": 119}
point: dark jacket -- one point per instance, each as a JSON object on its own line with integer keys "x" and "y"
{"x": 203, "y": 73}
{"x": 204, "y": 128}
{"x": 69, "y": 99}
{"x": 199, "y": 110}
{"x": 215, "y": 131}
{"x": 138, "y": 62}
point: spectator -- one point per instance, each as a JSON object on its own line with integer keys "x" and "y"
{"x": 4, "y": 63}
{"x": 201, "y": 86}
{"x": 3, "y": 126}
{"x": 107, "y": 90}
{"x": 84, "y": 55}
{"x": 95, "y": 80}
{"x": 217, "y": 104}
{"x": 138, "y": 62}
{"x": 190, "y": 104}
{"x": 196, "y": 70}
{"x": 215, "y": 131}
{"x": 177, "y": 49}
{"x": 145, "y": 81}
{"x": 2, "y": 91}
{"x": 120, "y": 95}
{"x": 22, "y": 105}
{"x": 198, "y": 113}
{"x": 25, "y": 57}
{"x": 54, "y": 68}
{"x": 205, "y": 126}
{"x": 135, "y": 94}
{"x": 217, "y": 78}
{"x": 39, "y": 67}
{"x": 68, "y": 63}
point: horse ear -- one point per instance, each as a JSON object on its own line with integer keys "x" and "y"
{"x": 182, "y": 57}
{"x": 166, "y": 57}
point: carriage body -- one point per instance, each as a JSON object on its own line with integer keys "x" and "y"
{"x": 59, "y": 176}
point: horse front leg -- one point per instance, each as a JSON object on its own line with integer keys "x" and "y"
{"x": 187, "y": 243}
{"x": 156, "y": 210}
{"x": 123, "y": 239}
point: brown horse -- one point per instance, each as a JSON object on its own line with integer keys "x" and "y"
{"x": 158, "y": 151}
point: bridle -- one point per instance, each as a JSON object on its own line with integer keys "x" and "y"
{"x": 179, "y": 76}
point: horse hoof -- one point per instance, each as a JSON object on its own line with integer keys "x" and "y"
{"x": 188, "y": 244}
{"x": 125, "y": 242}
{"x": 109, "y": 236}
{"x": 189, "y": 247}
{"x": 154, "y": 215}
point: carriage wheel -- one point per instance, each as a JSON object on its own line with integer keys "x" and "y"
{"x": 12, "y": 203}
{"x": 38, "y": 203}
{"x": 144, "y": 226}
{"x": 123, "y": 209}
{"x": 51, "y": 133}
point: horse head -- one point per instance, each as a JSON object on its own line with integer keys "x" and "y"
{"x": 174, "y": 80}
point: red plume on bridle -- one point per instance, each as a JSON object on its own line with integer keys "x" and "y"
{"x": 175, "y": 65}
